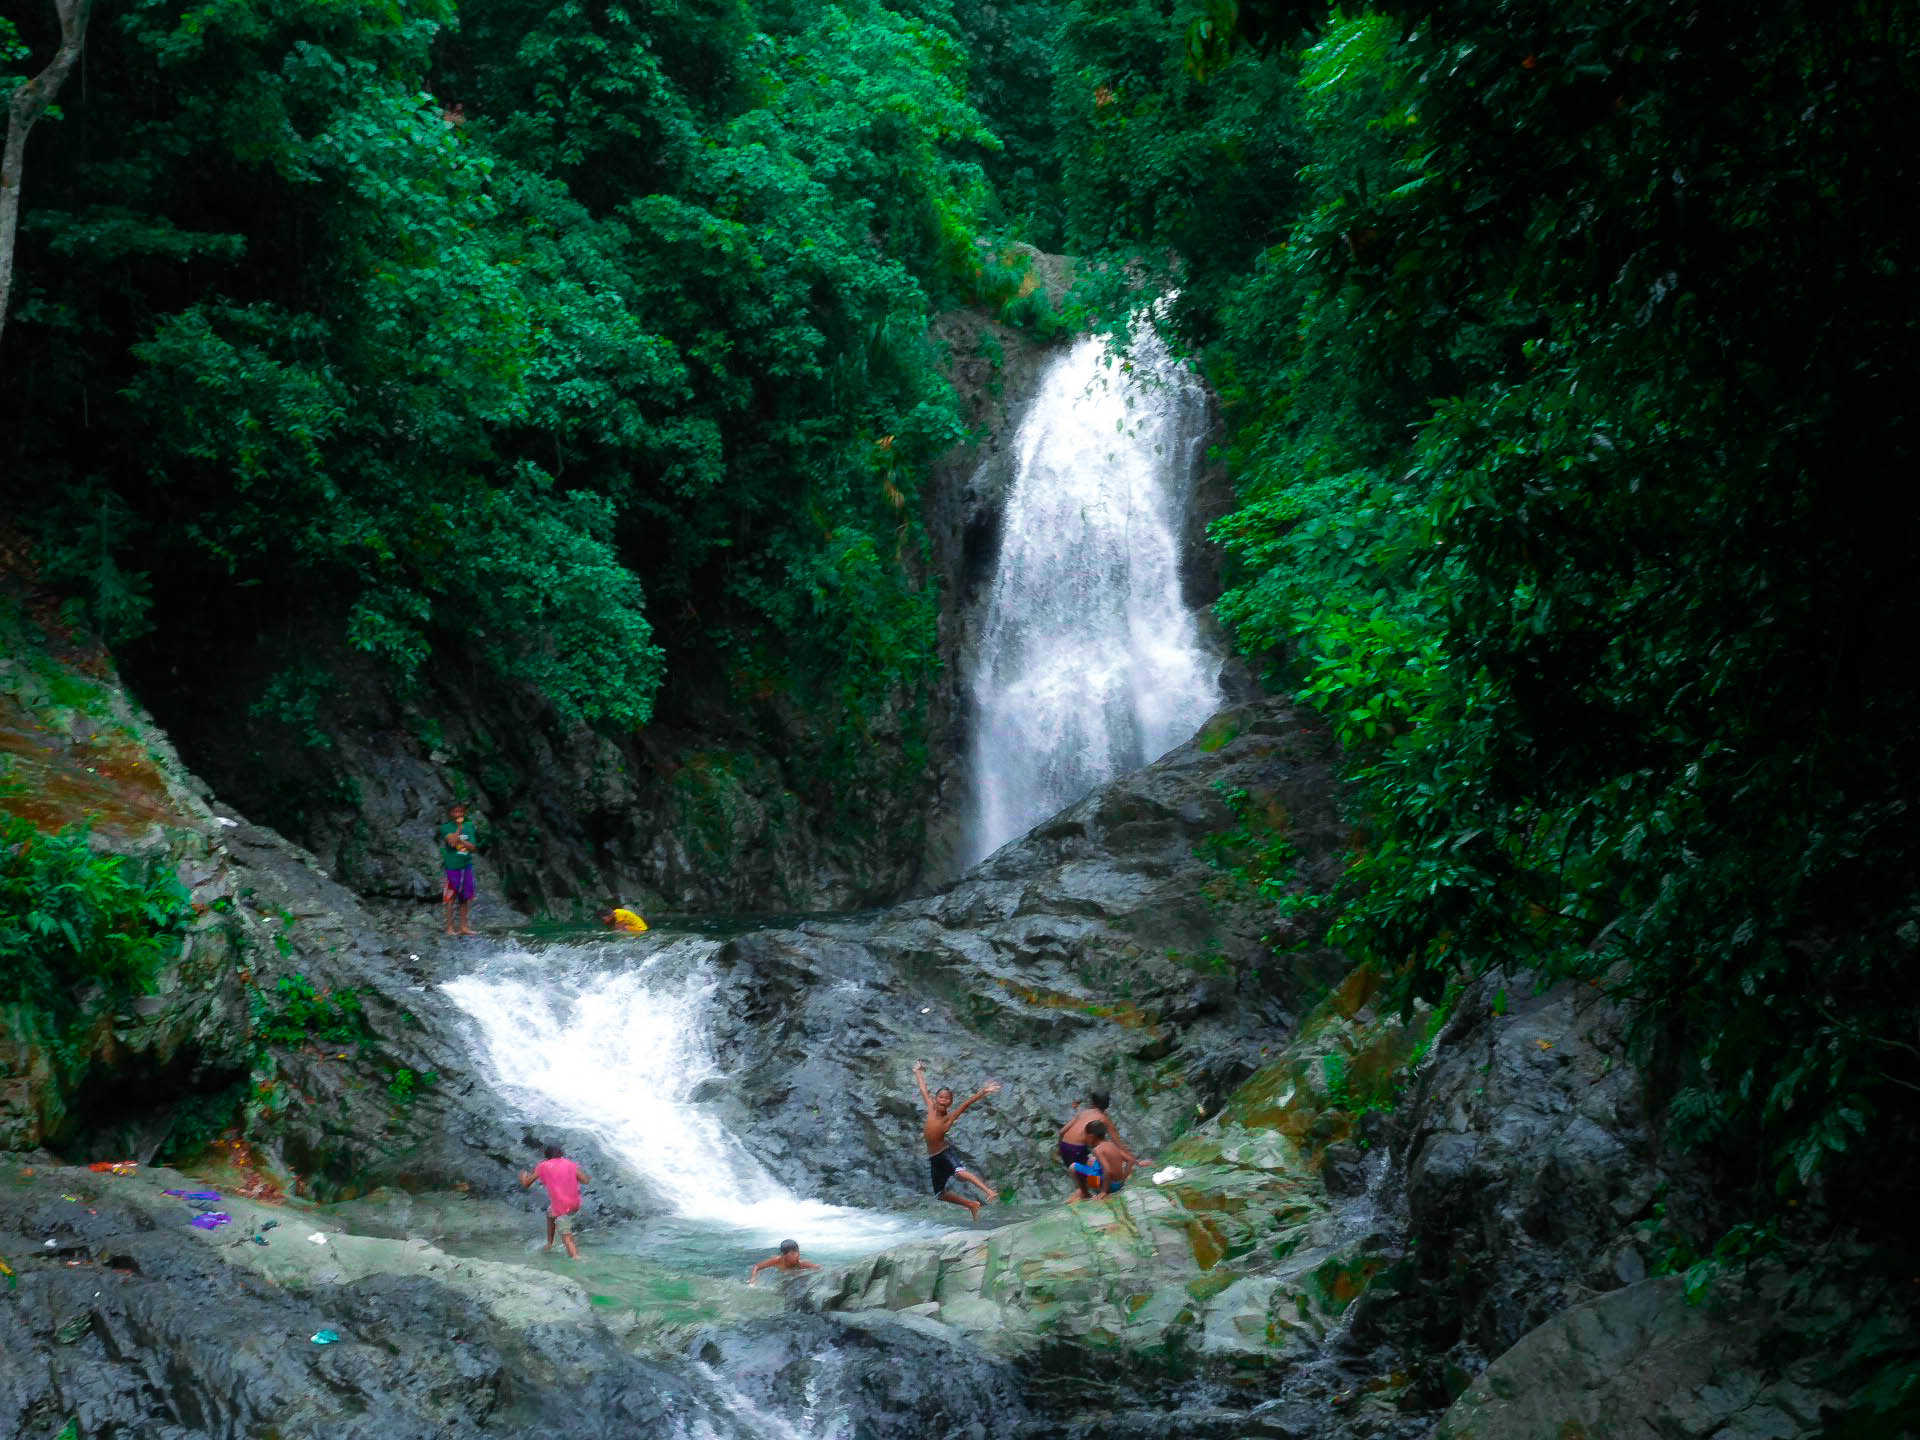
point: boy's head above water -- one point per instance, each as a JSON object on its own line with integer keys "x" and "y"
{"x": 943, "y": 1097}
{"x": 789, "y": 1247}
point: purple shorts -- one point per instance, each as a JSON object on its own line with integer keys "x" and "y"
{"x": 1071, "y": 1154}
{"x": 459, "y": 884}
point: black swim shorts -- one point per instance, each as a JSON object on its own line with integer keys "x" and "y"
{"x": 942, "y": 1167}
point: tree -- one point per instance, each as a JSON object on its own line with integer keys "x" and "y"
{"x": 29, "y": 102}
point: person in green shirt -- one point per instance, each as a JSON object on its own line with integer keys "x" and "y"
{"x": 456, "y": 859}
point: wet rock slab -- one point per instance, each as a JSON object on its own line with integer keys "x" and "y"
{"x": 1644, "y": 1360}
{"x": 134, "y": 1323}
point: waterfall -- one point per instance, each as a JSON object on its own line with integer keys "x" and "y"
{"x": 1089, "y": 662}
{"x": 610, "y": 1039}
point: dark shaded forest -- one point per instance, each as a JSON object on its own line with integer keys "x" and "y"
{"x": 1567, "y": 354}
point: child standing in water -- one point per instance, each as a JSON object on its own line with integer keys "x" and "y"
{"x": 945, "y": 1168}
{"x": 787, "y": 1259}
{"x": 563, "y": 1180}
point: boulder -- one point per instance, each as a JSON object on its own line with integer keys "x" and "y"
{"x": 1643, "y": 1360}
{"x": 1535, "y": 1175}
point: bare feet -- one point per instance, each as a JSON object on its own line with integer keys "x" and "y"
{"x": 469, "y": 932}
{"x": 973, "y": 1211}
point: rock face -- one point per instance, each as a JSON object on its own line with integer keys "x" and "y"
{"x": 1101, "y": 951}
{"x": 290, "y": 1009}
{"x": 710, "y": 808}
{"x": 893, "y": 1378}
{"x": 81, "y": 751}
{"x": 1532, "y": 1169}
{"x": 1644, "y": 1361}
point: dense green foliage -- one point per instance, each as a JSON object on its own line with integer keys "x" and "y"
{"x": 548, "y": 336}
{"x": 1570, "y": 418}
{"x": 299, "y": 1014}
{"x": 72, "y": 920}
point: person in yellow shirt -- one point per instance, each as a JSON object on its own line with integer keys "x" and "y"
{"x": 622, "y": 919}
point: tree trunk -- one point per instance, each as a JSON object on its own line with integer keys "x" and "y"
{"x": 28, "y": 104}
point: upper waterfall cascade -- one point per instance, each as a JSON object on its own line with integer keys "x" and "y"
{"x": 1090, "y": 663}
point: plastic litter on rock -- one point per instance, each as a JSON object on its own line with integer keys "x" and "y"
{"x": 53, "y": 1244}
{"x": 6, "y": 1270}
{"x": 1168, "y": 1175}
{"x": 317, "y": 1238}
{"x": 113, "y": 1167}
{"x": 326, "y": 1337}
{"x": 211, "y": 1221}
{"x": 193, "y": 1194}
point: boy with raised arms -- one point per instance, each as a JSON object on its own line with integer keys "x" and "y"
{"x": 941, "y": 1162}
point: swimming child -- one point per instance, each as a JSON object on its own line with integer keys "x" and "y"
{"x": 1074, "y": 1148}
{"x": 563, "y": 1180}
{"x": 787, "y": 1259}
{"x": 941, "y": 1161}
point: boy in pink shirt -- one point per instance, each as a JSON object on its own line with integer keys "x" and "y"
{"x": 563, "y": 1180}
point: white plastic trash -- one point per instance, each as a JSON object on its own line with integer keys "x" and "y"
{"x": 317, "y": 1238}
{"x": 1168, "y": 1175}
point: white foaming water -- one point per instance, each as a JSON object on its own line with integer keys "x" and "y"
{"x": 618, "y": 1053}
{"x": 1090, "y": 663}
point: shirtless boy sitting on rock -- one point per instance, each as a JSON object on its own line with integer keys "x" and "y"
{"x": 941, "y": 1161}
